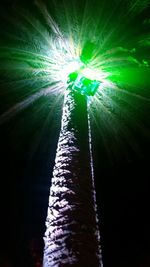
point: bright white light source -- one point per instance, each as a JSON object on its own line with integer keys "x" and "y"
{"x": 90, "y": 74}
{"x": 68, "y": 68}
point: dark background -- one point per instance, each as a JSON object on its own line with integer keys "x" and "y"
{"x": 27, "y": 159}
{"x": 27, "y": 148}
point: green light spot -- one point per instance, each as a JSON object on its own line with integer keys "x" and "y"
{"x": 83, "y": 82}
{"x": 87, "y": 52}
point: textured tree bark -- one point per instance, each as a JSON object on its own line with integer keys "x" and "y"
{"x": 72, "y": 236}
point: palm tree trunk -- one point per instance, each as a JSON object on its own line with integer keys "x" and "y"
{"x": 72, "y": 237}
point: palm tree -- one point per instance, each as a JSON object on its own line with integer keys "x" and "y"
{"x": 32, "y": 58}
{"x": 72, "y": 237}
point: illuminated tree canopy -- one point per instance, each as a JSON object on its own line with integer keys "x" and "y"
{"x": 97, "y": 48}
{"x": 42, "y": 45}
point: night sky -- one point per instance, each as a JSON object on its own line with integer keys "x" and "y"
{"x": 28, "y": 144}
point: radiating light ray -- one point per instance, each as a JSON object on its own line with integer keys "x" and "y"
{"x": 20, "y": 52}
{"x": 45, "y": 122}
{"x": 39, "y": 53}
{"x": 137, "y": 6}
{"x": 119, "y": 112}
{"x": 25, "y": 103}
{"x": 109, "y": 59}
{"x": 130, "y": 94}
{"x": 35, "y": 24}
{"x": 51, "y": 23}
{"x": 115, "y": 117}
{"x": 114, "y": 131}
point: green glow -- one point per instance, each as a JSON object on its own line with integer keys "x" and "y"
{"x": 37, "y": 57}
{"x": 84, "y": 81}
{"x": 87, "y": 52}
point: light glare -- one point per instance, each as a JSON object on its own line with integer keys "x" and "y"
{"x": 89, "y": 73}
{"x": 68, "y": 68}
